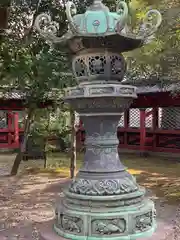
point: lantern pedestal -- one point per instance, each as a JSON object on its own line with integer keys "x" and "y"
{"x": 104, "y": 200}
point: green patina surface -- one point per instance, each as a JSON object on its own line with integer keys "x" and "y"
{"x": 111, "y": 230}
{"x": 103, "y": 201}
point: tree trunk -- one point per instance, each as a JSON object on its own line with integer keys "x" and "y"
{"x": 45, "y": 160}
{"x": 23, "y": 145}
{"x": 46, "y": 138}
{"x": 73, "y": 145}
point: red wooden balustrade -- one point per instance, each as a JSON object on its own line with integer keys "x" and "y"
{"x": 141, "y": 138}
{"x": 9, "y": 137}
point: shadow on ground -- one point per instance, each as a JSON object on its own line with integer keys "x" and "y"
{"x": 30, "y": 196}
{"x": 162, "y": 176}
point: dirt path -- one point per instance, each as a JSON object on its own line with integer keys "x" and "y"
{"x": 28, "y": 200}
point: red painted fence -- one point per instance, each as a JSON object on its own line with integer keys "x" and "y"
{"x": 145, "y": 129}
{"x": 149, "y": 130}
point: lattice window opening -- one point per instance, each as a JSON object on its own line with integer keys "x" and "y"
{"x": 134, "y": 118}
{"x": 3, "y": 120}
{"x": 159, "y": 117}
{"x": 149, "y": 119}
{"x": 116, "y": 65}
{"x": 169, "y": 118}
{"x": 97, "y": 65}
{"x": 80, "y": 67}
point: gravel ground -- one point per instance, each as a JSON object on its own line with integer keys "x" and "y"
{"x": 27, "y": 201}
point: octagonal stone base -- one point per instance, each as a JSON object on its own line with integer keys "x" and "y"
{"x": 164, "y": 229}
{"x": 120, "y": 223}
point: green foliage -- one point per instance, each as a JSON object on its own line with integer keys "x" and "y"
{"x": 160, "y": 59}
{"x": 27, "y": 63}
{"x": 5, "y": 3}
{"x": 52, "y": 124}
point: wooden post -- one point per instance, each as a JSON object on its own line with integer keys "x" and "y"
{"x": 142, "y": 129}
{"x": 155, "y": 125}
{"x": 16, "y": 129}
{"x": 23, "y": 145}
{"x": 10, "y": 127}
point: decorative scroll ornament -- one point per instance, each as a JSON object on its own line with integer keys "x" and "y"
{"x": 122, "y": 9}
{"x": 98, "y": 21}
{"x": 151, "y": 22}
{"x": 48, "y": 29}
{"x": 103, "y": 187}
{"x": 70, "y": 12}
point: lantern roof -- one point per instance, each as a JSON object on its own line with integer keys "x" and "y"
{"x": 99, "y": 27}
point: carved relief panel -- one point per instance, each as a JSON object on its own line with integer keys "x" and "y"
{"x": 144, "y": 221}
{"x": 71, "y": 224}
{"x": 109, "y": 226}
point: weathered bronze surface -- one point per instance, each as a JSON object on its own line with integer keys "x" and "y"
{"x": 103, "y": 201}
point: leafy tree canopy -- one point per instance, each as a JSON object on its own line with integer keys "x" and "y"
{"x": 159, "y": 61}
{"x": 27, "y": 62}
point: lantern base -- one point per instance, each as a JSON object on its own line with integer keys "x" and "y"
{"x": 118, "y": 223}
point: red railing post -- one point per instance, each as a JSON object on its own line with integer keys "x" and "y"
{"x": 16, "y": 129}
{"x": 142, "y": 129}
{"x": 10, "y": 127}
{"x": 155, "y": 123}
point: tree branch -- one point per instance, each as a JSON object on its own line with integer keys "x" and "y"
{"x": 28, "y": 34}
